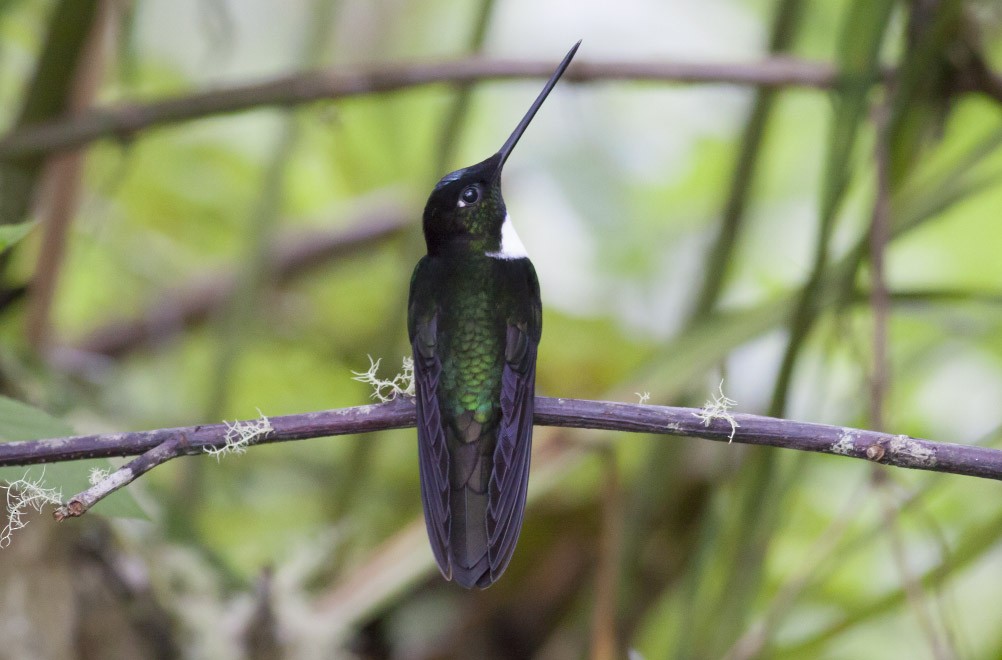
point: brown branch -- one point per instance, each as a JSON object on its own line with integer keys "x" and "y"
{"x": 188, "y": 305}
{"x": 82, "y": 502}
{"x": 62, "y": 181}
{"x": 46, "y": 98}
{"x": 124, "y": 120}
{"x": 880, "y": 232}
{"x": 884, "y": 448}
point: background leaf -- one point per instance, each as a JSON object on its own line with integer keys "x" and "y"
{"x": 11, "y": 234}
{"x": 684, "y": 234}
{"x": 19, "y": 421}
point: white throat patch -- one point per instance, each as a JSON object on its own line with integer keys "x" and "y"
{"x": 511, "y": 244}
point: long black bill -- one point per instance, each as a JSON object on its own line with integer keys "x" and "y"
{"x": 517, "y": 133}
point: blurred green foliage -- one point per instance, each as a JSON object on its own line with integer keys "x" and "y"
{"x": 618, "y": 191}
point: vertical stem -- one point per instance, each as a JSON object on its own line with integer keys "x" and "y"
{"x": 785, "y": 23}
{"x": 603, "y": 623}
{"x": 718, "y": 260}
{"x": 911, "y": 584}
{"x": 62, "y": 182}
{"x": 880, "y": 377}
{"x": 880, "y": 230}
{"x": 46, "y": 98}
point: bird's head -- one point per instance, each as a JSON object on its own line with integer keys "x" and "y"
{"x": 465, "y": 210}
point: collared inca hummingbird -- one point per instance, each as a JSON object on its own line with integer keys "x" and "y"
{"x": 474, "y": 319}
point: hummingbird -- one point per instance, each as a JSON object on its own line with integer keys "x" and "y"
{"x": 474, "y": 319}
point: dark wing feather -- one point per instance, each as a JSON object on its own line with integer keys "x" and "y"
{"x": 510, "y": 478}
{"x": 433, "y": 455}
{"x": 510, "y": 474}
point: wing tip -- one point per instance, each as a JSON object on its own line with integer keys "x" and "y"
{"x": 480, "y": 576}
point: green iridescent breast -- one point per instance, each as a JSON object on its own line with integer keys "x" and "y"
{"x": 472, "y": 342}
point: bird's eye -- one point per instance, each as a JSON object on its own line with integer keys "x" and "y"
{"x": 470, "y": 195}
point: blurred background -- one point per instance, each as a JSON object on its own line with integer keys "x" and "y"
{"x": 826, "y": 245}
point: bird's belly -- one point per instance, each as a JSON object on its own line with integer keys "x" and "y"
{"x": 472, "y": 352}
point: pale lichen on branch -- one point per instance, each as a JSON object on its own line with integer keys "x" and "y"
{"x": 719, "y": 408}
{"x": 387, "y": 390}
{"x": 22, "y": 495}
{"x": 240, "y": 435}
{"x": 97, "y": 475}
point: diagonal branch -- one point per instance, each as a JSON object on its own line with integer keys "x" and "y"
{"x": 79, "y": 504}
{"x": 174, "y": 310}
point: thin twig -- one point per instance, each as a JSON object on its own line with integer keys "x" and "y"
{"x": 125, "y": 120}
{"x": 880, "y": 233}
{"x": 46, "y": 98}
{"x": 63, "y": 179}
{"x": 911, "y": 584}
{"x": 239, "y": 436}
{"x": 971, "y": 547}
{"x": 80, "y": 503}
{"x": 752, "y": 643}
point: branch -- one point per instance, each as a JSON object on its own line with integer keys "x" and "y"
{"x": 60, "y": 182}
{"x": 191, "y": 303}
{"x": 124, "y": 120}
{"x": 47, "y": 97}
{"x": 161, "y": 445}
{"x": 79, "y": 504}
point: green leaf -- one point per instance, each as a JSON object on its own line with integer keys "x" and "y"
{"x": 19, "y": 421}
{"x": 12, "y": 234}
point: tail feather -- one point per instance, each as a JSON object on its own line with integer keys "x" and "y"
{"x": 468, "y": 542}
